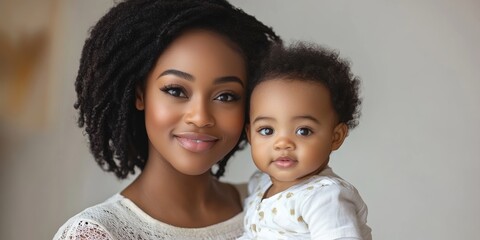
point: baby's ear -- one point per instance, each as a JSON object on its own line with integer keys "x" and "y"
{"x": 339, "y": 134}
{"x": 139, "y": 99}
{"x": 247, "y": 130}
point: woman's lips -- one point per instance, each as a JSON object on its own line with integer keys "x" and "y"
{"x": 196, "y": 142}
{"x": 285, "y": 162}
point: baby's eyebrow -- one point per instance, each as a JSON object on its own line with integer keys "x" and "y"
{"x": 301, "y": 117}
{"x": 260, "y": 118}
{"x": 309, "y": 117}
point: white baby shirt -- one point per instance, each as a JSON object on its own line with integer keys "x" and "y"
{"x": 322, "y": 207}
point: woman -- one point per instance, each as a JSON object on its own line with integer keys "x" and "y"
{"x": 162, "y": 88}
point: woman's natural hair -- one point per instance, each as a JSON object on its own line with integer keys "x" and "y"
{"x": 311, "y": 62}
{"x": 122, "y": 49}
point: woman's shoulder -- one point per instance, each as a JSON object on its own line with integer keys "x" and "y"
{"x": 115, "y": 218}
{"x": 120, "y": 218}
{"x": 93, "y": 222}
{"x": 79, "y": 228}
{"x": 241, "y": 189}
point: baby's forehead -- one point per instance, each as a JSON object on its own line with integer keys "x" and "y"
{"x": 289, "y": 84}
{"x": 290, "y": 98}
{"x": 289, "y": 79}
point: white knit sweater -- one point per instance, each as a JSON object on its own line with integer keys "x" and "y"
{"x": 120, "y": 218}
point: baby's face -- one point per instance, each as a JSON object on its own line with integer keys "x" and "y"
{"x": 293, "y": 129}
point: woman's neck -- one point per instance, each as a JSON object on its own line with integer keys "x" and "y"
{"x": 179, "y": 199}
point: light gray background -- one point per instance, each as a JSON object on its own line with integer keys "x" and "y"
{"x": 415, "y": 157}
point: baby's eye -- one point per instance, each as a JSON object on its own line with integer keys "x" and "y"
{"x": 265, "y": 131}
{"x": 303, "y": 131}
{"x": 227, "y": 97}
{"x": 175, "y": 91}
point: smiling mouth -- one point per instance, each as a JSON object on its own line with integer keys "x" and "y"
{"x": 195, "y": 142}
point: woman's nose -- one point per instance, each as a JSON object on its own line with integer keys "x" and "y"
{"x": 199, "y": 114}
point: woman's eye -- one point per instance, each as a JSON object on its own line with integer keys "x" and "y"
{"x": 265, "y": 131}
{"x": 227, "y": 97}
{"x": 303, "y": 131}
{"x": 174, "y": 91}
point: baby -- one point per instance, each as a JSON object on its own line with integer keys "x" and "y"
{"x": 303, "y": 103}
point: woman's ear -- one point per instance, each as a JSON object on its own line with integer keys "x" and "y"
{"x": 339, "y": 134}
{"x": 139, "y": 99}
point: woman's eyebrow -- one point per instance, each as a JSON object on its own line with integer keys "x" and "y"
{"x": 177, "y": 73}
{"x": 228, "y": 79}
{"x": 189, "y": 77}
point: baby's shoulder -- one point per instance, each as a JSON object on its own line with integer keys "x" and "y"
{"x": 325, "y": 184}
{"x": 257, "y": 181}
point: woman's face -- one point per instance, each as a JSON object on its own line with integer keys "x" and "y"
{"x": 194, "y": 102}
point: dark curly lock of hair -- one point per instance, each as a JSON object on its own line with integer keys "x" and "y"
{"x": 311, "y": 62}
{"x": 122, "y": 49}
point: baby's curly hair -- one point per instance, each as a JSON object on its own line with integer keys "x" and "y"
{"x": 122, "y": 49}
{"x": 311, "y": 62}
